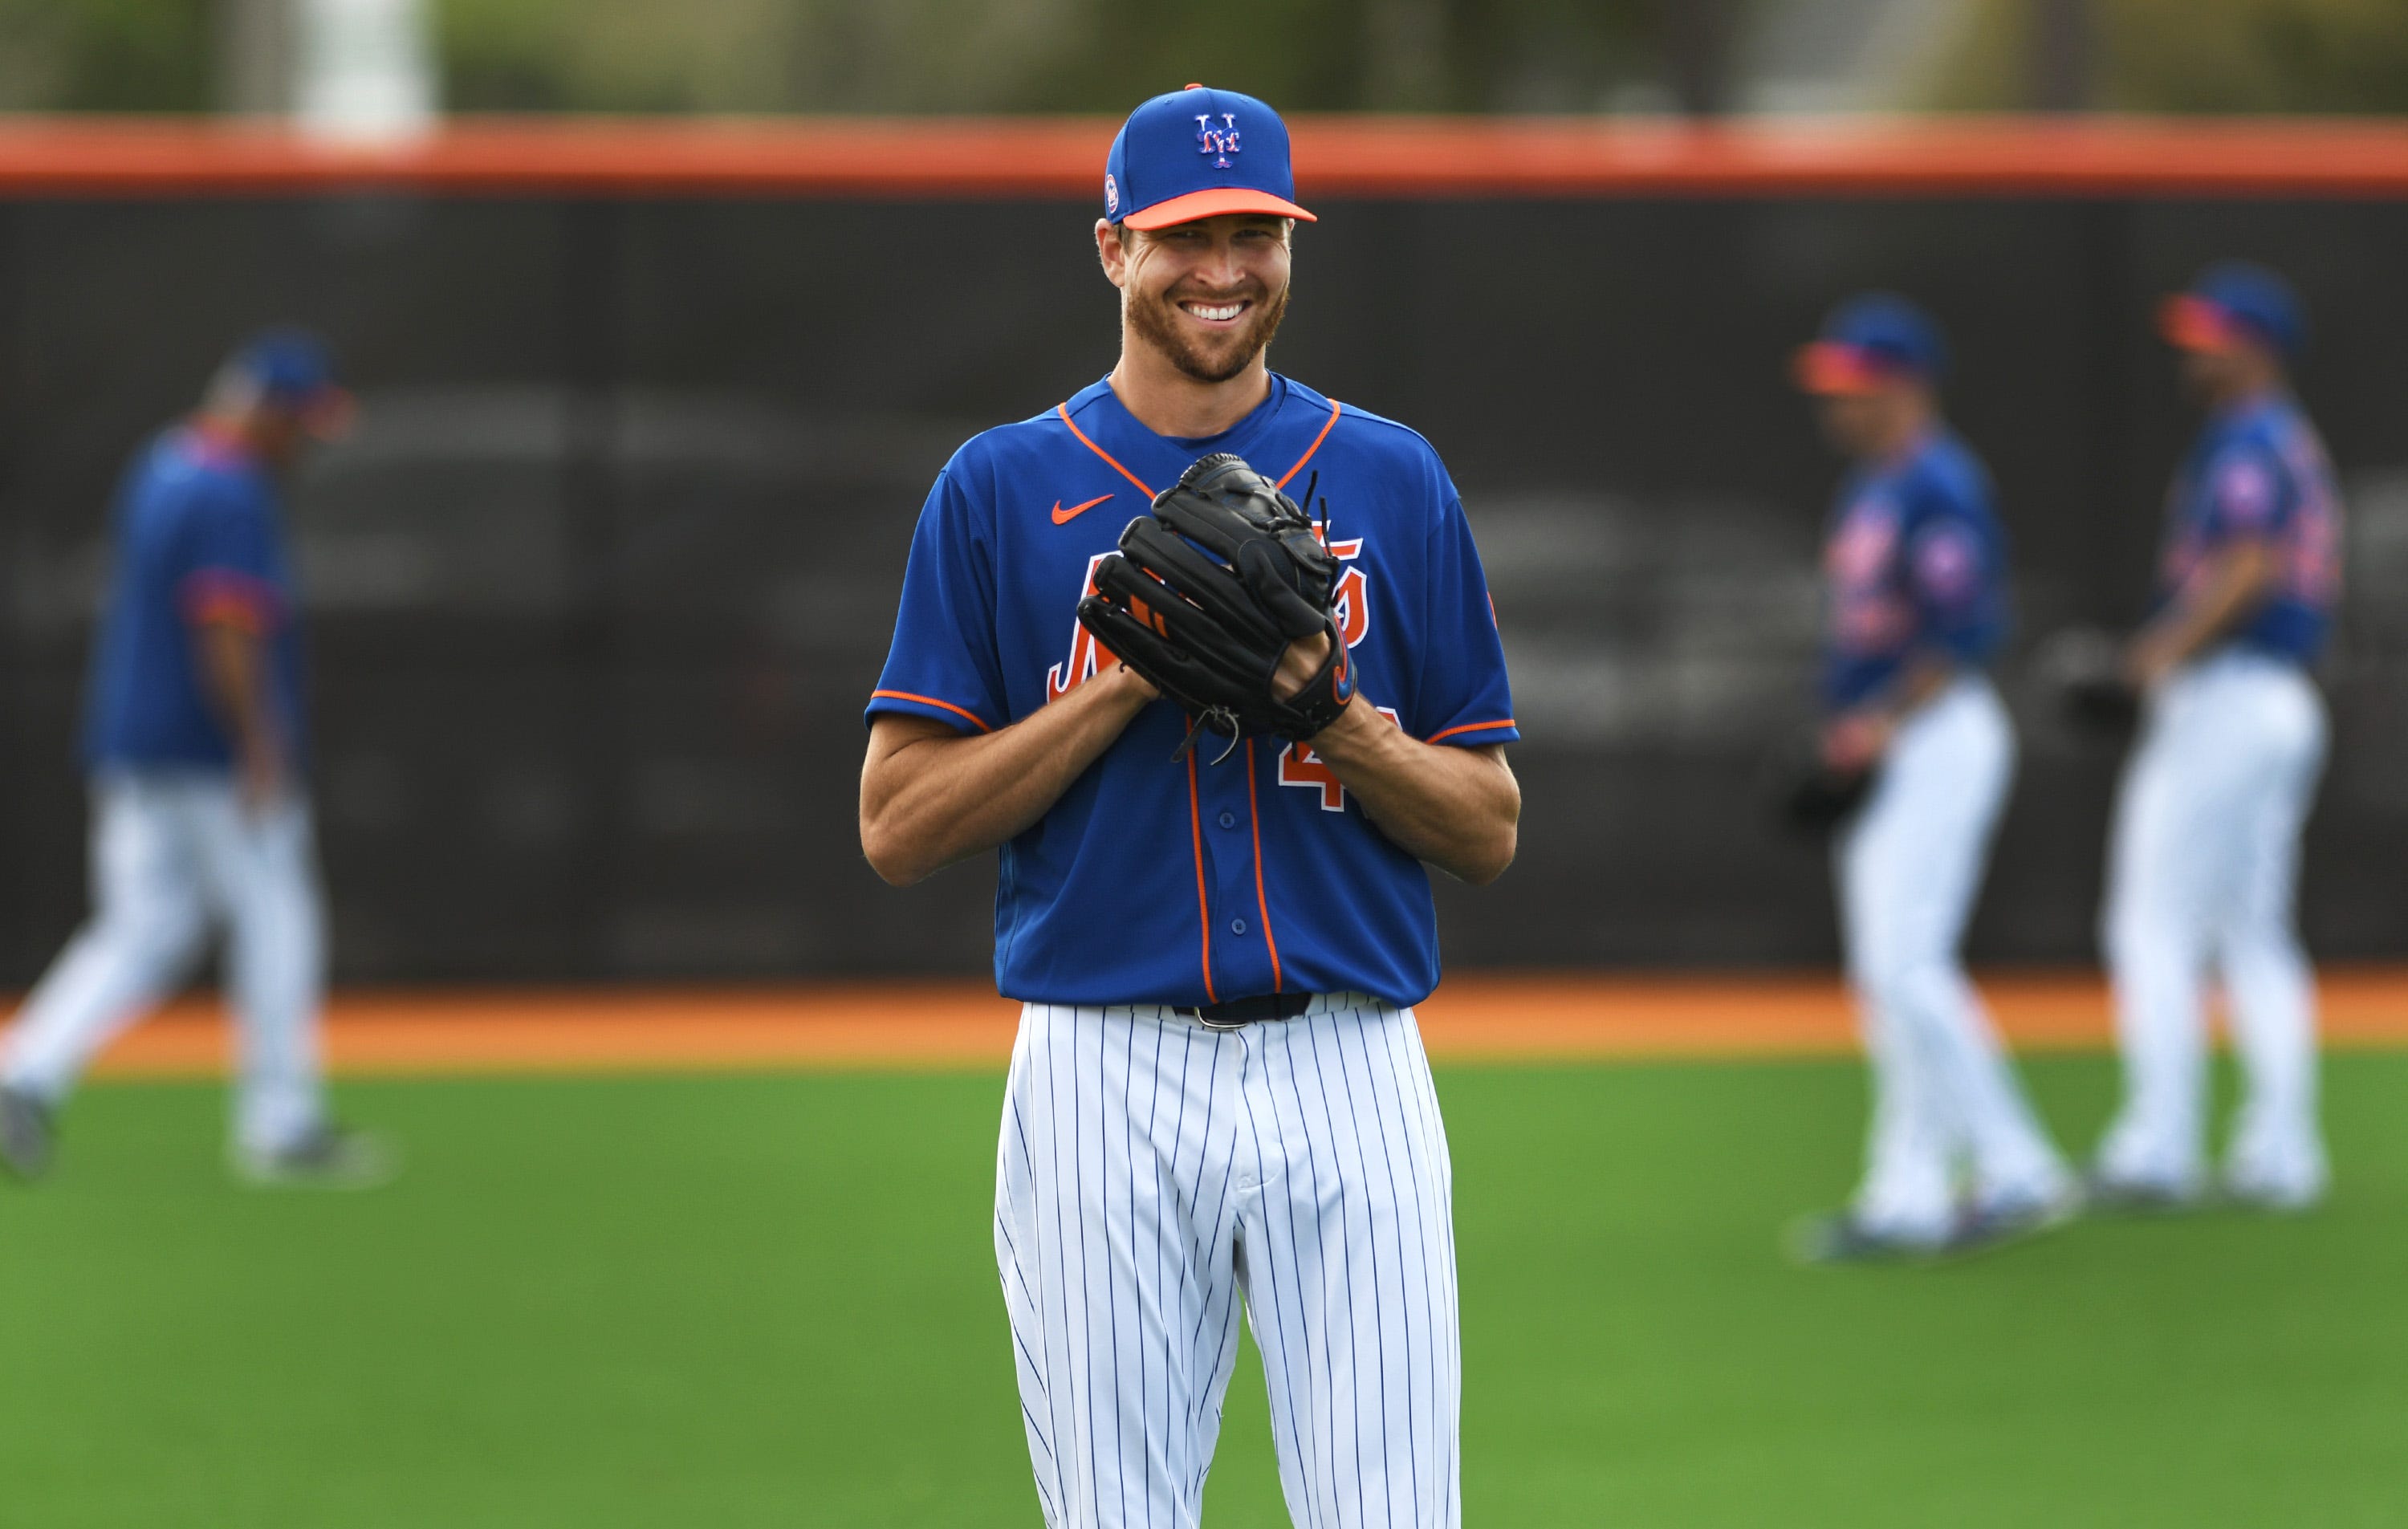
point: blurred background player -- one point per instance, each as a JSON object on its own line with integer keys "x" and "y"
{"x": 196, "y": 745}
{"x": 2205, "y": 853}
{"x": 1918, "y": 604}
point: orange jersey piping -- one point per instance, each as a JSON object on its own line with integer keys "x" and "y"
{"x": 1468, "y": 727}
{"x": 1336, "y": 408}
{"x": 1203, "y": 910}
{"x": 1063, "y": 409}
{"x": 930, "y": 701}
{"x": 1262, "y": 902}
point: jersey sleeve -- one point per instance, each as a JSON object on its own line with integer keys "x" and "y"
{"x": 943, "y": 662}
{"x": 2246, "y": 496}
{"x": 1462, "y": 697}
{"x": 225, "y": 568}
{"x": 1951, "y": 573}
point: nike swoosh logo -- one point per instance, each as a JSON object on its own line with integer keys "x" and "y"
{"x": 1064, "y": 517}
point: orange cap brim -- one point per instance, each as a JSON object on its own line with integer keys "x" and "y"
{"x": 1829, "y": 368}
{"x": 2194, "y": 323}
{"x": 1218, "y": 202}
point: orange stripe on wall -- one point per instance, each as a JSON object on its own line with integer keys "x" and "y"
{"x": 1336, "y": 156}
{"x": 1474, "y": 1017}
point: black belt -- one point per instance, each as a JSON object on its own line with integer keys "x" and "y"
{"x": 1237, "y": 1013}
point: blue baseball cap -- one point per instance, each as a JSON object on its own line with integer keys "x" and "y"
{"x": 1199, "y": 153}
{"x": 1869, "y": 341}
{"x": 293, "y": 368}
{"x": 2235, "y": 303}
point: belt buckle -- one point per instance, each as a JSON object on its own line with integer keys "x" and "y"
{"x": 1196, "y": 1012}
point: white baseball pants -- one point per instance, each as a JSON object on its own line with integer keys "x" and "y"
{"x": 1909, "y": 869}
{"x": 1153, "y": 1171}
{"x": 2205, "y": 860}
{"x": 173, "y": 852}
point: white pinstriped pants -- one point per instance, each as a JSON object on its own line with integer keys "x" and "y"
{"x": 1150, "y": 1172}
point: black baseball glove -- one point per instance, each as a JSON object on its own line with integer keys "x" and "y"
{"x": 2082, "y": 669}
{"x": 1208, "y": 591}
{"x": 1821, "y": 799}
{"x": 1808, "y": 796}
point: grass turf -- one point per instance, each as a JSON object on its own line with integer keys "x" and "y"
{"x": 770, "y": 1300}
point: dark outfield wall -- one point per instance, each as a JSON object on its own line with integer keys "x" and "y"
{"x": 598, "y": 591}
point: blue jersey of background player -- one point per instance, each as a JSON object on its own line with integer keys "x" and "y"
{"x": 199, "y": 551}
{"x": 1916, "y": 566}
{"x": 2256, "y": 480}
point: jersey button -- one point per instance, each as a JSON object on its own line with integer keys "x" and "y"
{"x": 1237, "y": 926}
{"x": 1228, "y": 820}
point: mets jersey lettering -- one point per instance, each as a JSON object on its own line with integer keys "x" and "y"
{"x": 1915, "y": 563}
{"x": 2259, "y": 473}
{"x": 1187, "y": 881}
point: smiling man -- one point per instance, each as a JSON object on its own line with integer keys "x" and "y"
{"x": 1219, "y": 1090}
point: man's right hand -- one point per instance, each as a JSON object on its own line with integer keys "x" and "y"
{"x": 260, "y": 777}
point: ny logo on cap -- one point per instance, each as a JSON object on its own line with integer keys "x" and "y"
{"x": 1222, "y": 140}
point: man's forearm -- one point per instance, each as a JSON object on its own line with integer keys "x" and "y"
{"x": 2231, "y": 584}
{"x": 930, "y": 796}
{"x": 234, "y": 678}
{"x": 1458, "y": 808}
{"x": 1856, "y": 739}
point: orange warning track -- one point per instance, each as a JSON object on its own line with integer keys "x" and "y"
{"x": 1480, "y": 1018}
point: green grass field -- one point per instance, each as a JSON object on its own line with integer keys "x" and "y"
{"x": 770, "y": 1300}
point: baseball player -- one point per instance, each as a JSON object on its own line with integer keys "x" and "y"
{"x": 1218, "y": 935}
{"x": 2206, "y": 844}
{"x": 1916, "y": 572}
{"x": 196, "y": 745}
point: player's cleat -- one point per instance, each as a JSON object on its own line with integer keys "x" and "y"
{"x": 2274, "y": 1196}
{"x": 329, "y": 1157}
{"x": 25, "y": 1135}
{"x": 2010, "y": 1219}
{"x": 2107, "y": 1194}
{"x": 1841, "y": 1236}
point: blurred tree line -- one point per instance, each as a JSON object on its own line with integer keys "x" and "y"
{"x": 960, "y": 56}
{"x": 2274, "y": 56}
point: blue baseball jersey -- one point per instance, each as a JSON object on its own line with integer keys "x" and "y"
{"x": 1165, "y": 880}
{"x": 1915, "y": 563}
{"x": 196, "y": 540}
{"x": 2259, "y": 471}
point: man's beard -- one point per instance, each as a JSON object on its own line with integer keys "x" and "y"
{"x": 1157, "y": 321}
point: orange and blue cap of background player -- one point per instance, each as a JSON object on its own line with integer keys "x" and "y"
{"x": 293, "y": 371}
{"x": 1870, "y": 342}
{"x": 1199, "y": 153}
{"x": 2233, "y": 304}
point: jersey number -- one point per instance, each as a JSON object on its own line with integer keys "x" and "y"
{"x": 1299, "y": 766}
